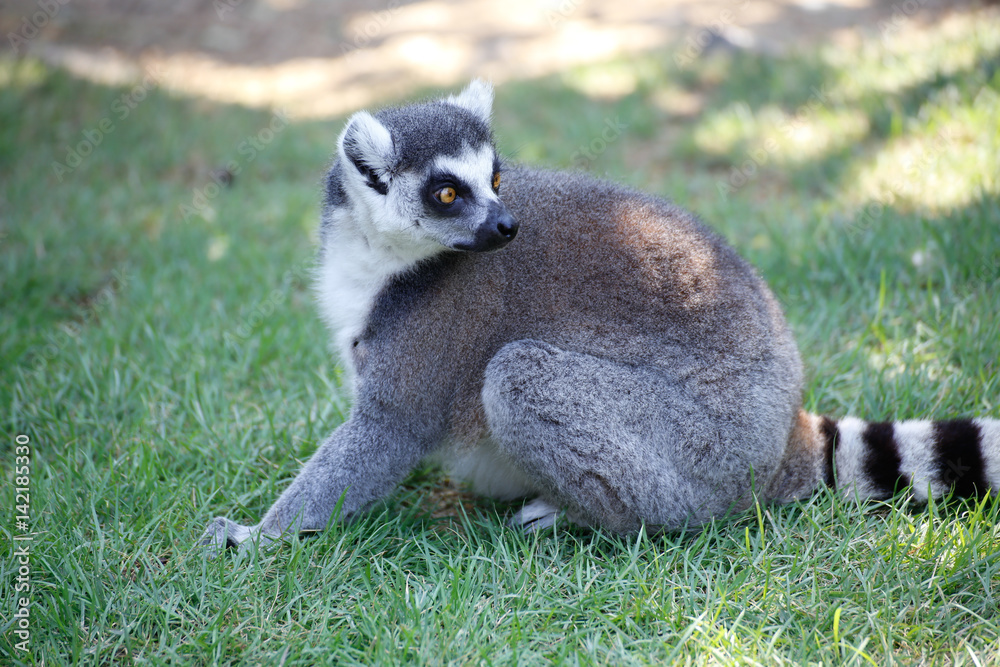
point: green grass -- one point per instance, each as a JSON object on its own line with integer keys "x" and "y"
{"x": 171, "y": 367}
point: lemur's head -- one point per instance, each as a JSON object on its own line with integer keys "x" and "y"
{"x": 427, "y": 174}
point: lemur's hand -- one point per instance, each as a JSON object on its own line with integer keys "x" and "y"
{"x": 223, "y": 533}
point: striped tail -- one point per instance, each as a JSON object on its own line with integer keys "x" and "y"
{"x": 878, "y": 459}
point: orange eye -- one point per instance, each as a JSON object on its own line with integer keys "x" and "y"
{"x": 496, "y": 181}
{"x": 446, "y": 195}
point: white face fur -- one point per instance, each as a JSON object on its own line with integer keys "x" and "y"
{"x": 375, "y": 236}
{"x": 385, "y": 220}
{"x": 404, "y": 219}
{"x": 474, "y": 172}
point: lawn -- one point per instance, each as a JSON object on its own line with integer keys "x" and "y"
{"x": 162, "y": 362}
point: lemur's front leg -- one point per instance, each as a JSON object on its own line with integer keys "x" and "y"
{"x": 362, "y": 461}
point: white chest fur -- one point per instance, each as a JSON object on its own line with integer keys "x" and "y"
{"x": 355, "y": 267}
{"x": 357, "y": 263}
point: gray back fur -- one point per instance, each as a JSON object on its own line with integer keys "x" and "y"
{"x": 680, "y": 323}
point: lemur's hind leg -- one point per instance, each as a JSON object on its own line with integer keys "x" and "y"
{"x": 537, "y": 514}
{"x": 615, "y": 444}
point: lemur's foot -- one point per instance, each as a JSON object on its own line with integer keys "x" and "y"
{"x": 537, "y": 514}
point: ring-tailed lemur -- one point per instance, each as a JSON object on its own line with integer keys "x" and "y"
{"x": 618, "y": 359}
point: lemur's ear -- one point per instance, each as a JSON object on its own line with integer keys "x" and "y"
{"x": 477, "y": 98}
{"x": 367, "y": 144}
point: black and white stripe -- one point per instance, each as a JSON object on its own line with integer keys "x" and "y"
{"x": 878, "y": 459}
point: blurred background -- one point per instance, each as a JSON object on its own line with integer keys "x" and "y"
{"x": 161, "y": 162}
{"x": 161, "y": 168}
{"x": 326, "y": 58}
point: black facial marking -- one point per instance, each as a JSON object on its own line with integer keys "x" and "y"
{"x": 959, "y": 457}
{"x": 371, "y": 179}
{"x": 439, "y": 180}
{"x": 423, "y": 132}
{"x": 882, "y": 463}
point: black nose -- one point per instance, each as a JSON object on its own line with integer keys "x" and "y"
{"x": 497, "y": 230}
{"x": 505, "y": 223}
